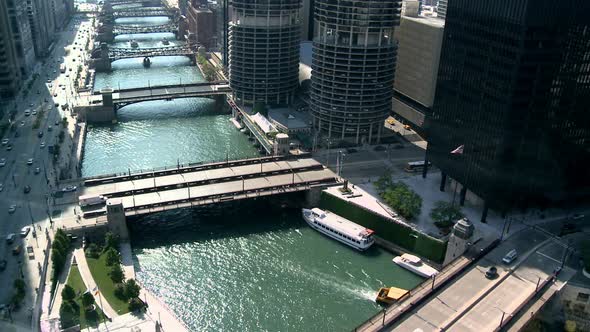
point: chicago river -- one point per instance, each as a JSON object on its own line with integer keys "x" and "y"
{"x": 259, "y": 268}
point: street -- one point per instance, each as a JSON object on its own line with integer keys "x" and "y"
{"x": 49, "y": 89}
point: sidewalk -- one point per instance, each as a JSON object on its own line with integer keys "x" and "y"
{"x": 91, "y": 285}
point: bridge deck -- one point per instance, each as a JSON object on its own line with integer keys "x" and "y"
{"x": 200, "y": 177}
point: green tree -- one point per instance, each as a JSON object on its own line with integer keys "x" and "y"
{"x": 117, "y": 274}
{"x": 68, "y": 293}
{"x": 120, "y": 291}
{"x": 69, "y": 315}
{"x": 111, "y": 241}
{"x": 445, "y": 215}
{"x": 92, "y": 251}
{"x": 132, "y": 289}
{"x": 383, "y": 182}
{"x": 586, "y": 255}
{"x": 112, "y": 257}
{"x": 403, "y": 200}
{"x": 135, "y": 304}
{"x": 87, "y": 300}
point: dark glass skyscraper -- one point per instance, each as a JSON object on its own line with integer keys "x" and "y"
{"x": 514, "y": 89}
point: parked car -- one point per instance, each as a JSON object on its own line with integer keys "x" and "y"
{"x": 27, "y": 189}
{"x": 69, "y": 188}
{"x": 25, "y": 231}
{"x": 2, "y": 162}
{"x": 10, "y": 238}
{"x": 30, "y": 161}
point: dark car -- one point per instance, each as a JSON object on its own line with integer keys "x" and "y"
{"x": 492, "y": 273}
{"x": 380, "y": 148}
{"x": 3, "y": 265}
{"x": 351, "y": 150}
{"x": 40, "y": 134}
{"x": 27, "y": 189}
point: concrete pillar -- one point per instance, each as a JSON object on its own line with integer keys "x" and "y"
{"x": 116, "y": 219}
{"x": 484, "y": 214}
{"x": 425, "y": 169}
{"x": 312, "y": 197}
{"x": 358, "y": 132}
{"x": 462, "y": 195}
{"x": 370, "y": 133}
{"x": 443, "y": 181}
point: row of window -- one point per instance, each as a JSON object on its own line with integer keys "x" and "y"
{"x": 336, "y": 232}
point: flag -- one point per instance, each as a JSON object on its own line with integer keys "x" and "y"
{"x": 95, "y": 290}
{"x": 458, "y": 150}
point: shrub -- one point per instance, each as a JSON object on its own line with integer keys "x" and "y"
{"x": 69, "y": 314}
{"x": 135, "y": 304}
{"x": 87, "y": 300}
{"x": 117, "y": 274}
{"x": 132, "y": 289}
{"x": 112, "y": 257}
{"x": 120, "y": 292}
{"x": 92, "y": 251}
{"x": 445, "y": 215}
{"x": 68, "y": 293}
{"x": 110, "y": 241}
{"x": 402, "y": 199}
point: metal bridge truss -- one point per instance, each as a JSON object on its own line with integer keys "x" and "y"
{"x": 126, "y": 53}
{"x": 131, "y": 29}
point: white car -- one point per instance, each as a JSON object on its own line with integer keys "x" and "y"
{"x": 25, "y": 231}
{"x": 1, "y": 187}
{"x": 30, "y": 161}
{"x": 5, "y": 141}
{"x": 69, "y": 189}
{"x": 42, "y": 145}
{"x": 2, "y": 162}
{"x": 34, "y": 113}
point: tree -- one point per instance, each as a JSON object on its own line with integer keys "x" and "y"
{"x": 120, "y": 292}
{"x": 117, "y": 274}
{"x": 110, "y": 241}
{"x": 132, "y": 289}
{"x": 69, "y": 315}
{"x": 444, "y": 214}
{"x": 112, "y": 257}
{"x": 383, "y": 182}
{"x": 586, "y": 255}
{"x": 135, "y": 304}
{"x": 87, "y": 300}
{"x": 92, "y": 251}
{"x": 402, "y": 199}
{"x": 68, "y": 293}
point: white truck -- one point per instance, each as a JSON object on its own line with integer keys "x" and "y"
{"x": 88, "y": 200}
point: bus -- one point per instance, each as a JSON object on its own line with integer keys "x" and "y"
{"x": 62, "y": 68}
{"x": 416, "y": 166}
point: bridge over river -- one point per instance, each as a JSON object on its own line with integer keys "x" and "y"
{"x": 182, "y": 187}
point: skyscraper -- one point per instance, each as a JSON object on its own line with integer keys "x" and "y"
{"x": 354, "y": 56}
{"x": 10, "y": 75}
{"x": 441, "y": 9}
{"x": 264, "y": 50}
{"x": 42, "y": 22}
{"x": 514, "y": 89}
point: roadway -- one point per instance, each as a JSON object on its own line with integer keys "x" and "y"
{"x": 475, "y": 303}
{"x": 168, "y": 92}
{"x": 32, "y": 207}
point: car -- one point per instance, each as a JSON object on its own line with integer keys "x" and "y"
{"x": 49, "y": 81}
{"x": 1, "y": 187}
{"x": 2, "y": 162}
{"x": 9, "y": 147}
{"x": 510, "y": 256}
{"x": 10, "y": 238}
{"x": 22, "y": 123}
{"x": 351, "y": 150}
{"x": 69, "y": 188}
{"x": 30, "y": 161}
{"x": 12, "y": 208}
{"x": 40, "y": 134}
{"x": 38, "y": 92}
{"x": 492, "y": 273}
{"x": 5, "y": 141}
{"x": 27, "y": 189}
{"x": 380, "y": 148}
{"x": 57, "y": 122}
{"x": 37, "y": 170}
{"x": 25, "y": 231}
{"x": 32, "y": 105}
{"x": 577, "y": 216}
{"x": 42, "y": 145}
{"x": 34, "y": 113}
{"x": 27, "y": 113}
{"x": 49, "y": 128}
{"x": 3, "y": 265}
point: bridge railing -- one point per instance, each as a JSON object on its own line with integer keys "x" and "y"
{"x": 165, "y": 86}
{"x": 179, "y": 168}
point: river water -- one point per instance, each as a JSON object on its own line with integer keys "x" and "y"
{"x": 250, "y": 266}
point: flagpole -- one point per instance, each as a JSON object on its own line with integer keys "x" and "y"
{"x": 101, "y": 307}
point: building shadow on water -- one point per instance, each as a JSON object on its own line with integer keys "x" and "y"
{"x": 223, "y": 220}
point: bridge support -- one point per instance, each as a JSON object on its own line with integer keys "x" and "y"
{"x": 103, "y": 64}
{"x": 312, "y": 196}
{"x": 116, "y": 219}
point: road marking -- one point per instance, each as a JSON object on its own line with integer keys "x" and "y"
{"x": 549, "y": 257}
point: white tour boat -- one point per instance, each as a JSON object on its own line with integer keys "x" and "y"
{"x": 338, "y": 228}
{"x": 415, "y": 264}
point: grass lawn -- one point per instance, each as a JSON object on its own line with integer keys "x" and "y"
{"x": 100, "y": 273}
{"x": 92, "y": 319}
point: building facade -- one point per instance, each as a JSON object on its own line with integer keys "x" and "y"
{"x": 353, "y": 66}
{"x": 514, "y": 89}
{"x": 42, "y": 22}
{"x": 201, "y": 24}
{"x": 419, "y": 45}
{"x": 441, "y": 9}
{"x": 221, "y": 12}
{"x": 264, "y": 51}
{"x": 10, "y": 73}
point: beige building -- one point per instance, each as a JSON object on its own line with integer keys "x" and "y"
{"x": 419, "y": 44}
{"x": 575, "y": 297}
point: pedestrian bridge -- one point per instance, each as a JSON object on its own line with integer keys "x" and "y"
{"x": 203, "y": 89}
{"x": 205, "y": 184}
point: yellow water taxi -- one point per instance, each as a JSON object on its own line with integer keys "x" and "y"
{"x": 389, "y": 295}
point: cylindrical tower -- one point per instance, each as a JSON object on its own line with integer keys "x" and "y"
{"x": 264, "y": 50}
{"x": 353, "y": 66}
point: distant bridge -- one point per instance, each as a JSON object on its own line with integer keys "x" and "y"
{"x": 130, "y": 2}
{"x": 132, "y": 29}
{"x": 127, "y": 53}
{"x": 141, "y": 13}
{"x": 205, "y": 89}
{"x": 206, "y": 184}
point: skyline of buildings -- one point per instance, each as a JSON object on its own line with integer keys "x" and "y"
{"x": 514, "y": 89}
